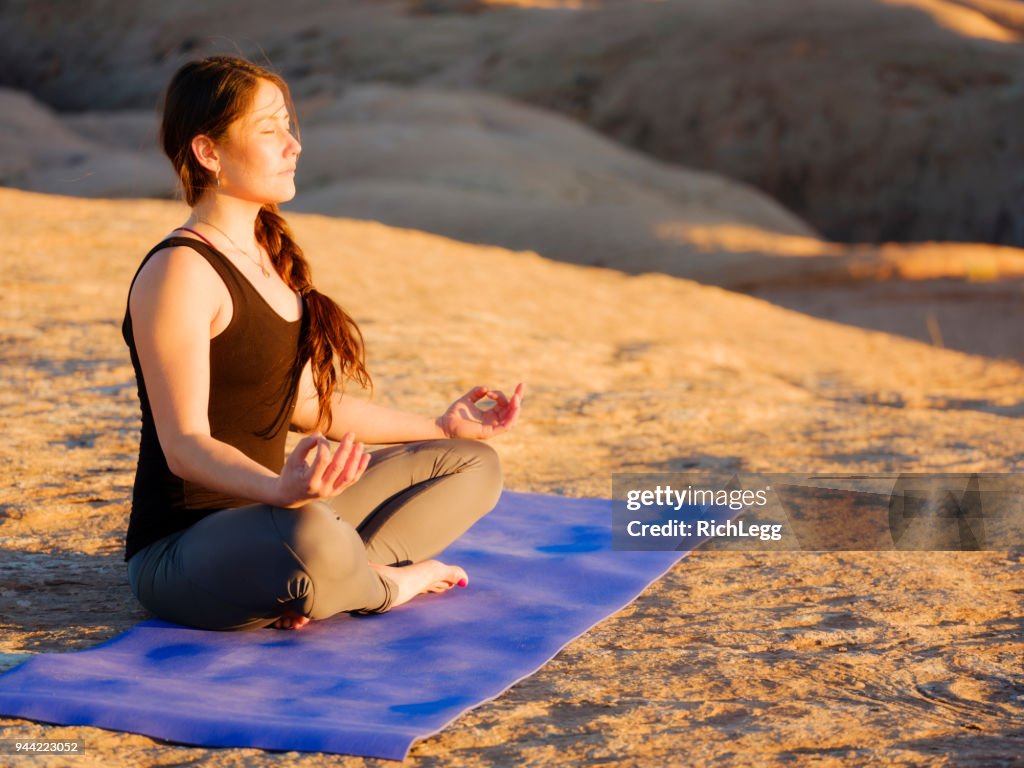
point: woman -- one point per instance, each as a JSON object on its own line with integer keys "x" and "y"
{"x": 232, "y": 346}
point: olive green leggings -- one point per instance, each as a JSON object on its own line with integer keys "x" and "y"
{"x": 243, "y": 568}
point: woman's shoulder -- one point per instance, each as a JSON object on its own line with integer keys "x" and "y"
{"x": 177, "y": 268}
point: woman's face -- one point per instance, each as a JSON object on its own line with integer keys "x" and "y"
{"x": 259, "y": 153}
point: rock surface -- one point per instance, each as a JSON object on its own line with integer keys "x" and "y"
{"x": 482, "y": 168}
{"x": 874, "y": 120}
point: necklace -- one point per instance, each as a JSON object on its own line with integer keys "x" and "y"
{"x": 248, "y": 255}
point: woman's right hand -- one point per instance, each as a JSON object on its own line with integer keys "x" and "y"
{"x": 323, "y": 476}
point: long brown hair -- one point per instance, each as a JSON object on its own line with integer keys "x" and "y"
{"x": 204, "y": 98}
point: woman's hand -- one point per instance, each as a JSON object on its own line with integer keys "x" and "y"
{"x": 324, "y": 476}
{"x": 464, "y": 419}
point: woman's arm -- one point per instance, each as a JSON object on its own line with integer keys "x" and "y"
{"x": 176, "y": 301}
{"x": 380, "y": 424}
{"x": 370, "y": 422}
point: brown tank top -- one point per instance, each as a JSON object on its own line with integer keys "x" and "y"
{"x": 253, "y": 385}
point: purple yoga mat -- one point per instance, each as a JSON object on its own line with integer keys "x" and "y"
{"x": 542, "y": 572}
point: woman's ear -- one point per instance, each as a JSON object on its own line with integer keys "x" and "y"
{"x": 206, "y": 153}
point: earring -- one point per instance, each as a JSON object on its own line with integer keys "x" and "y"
{"x": 218, "y": 177}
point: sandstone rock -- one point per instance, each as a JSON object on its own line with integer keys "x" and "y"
{"x": 871, "y": 120}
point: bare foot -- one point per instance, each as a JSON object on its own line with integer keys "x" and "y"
{"x": 291, "y": 621}
{"x": 419, "y": 578}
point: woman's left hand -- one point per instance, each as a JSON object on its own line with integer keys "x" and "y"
{"x": 465, "y": 419}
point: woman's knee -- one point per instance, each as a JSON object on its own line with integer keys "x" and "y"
{"x": 335, "y": 565}
{"x": 472, "y": 455}
{"x": 484, "y": 461}
{"x": 477, "y": 451}
{"x": 471, "y": 469}
{"x": 323, "y": 544}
